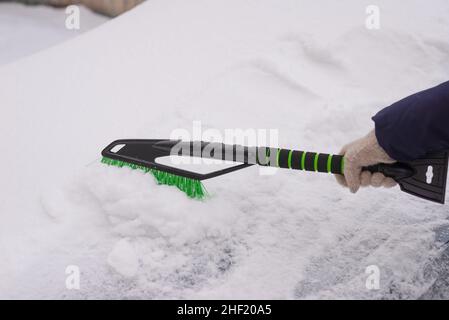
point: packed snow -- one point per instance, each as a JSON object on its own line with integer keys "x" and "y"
{"x": 310, "y": 69}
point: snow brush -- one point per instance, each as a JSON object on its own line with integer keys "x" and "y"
{"x": 424, "y": 178}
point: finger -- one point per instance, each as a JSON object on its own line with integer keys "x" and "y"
{"x": 341, "y": 180}
{"x": 389, "y": 183}
{"x": 352, "y": 176}
{"x": 365, "y": 178}
{"x": 377, "y": 179}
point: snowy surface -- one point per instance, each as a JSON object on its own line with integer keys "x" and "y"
{"x": 27, "y": 29}
{"x": 308, "y": 68}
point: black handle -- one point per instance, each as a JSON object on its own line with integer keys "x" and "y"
{"x": 328, "y": 163}
{"x": 276, "y": 157}
{"x": 397, "y": 171}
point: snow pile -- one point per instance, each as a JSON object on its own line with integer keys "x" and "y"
{"x": 311, "y": 70}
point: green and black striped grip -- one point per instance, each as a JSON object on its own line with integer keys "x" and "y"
{"x": 264, "y": 156}
{"x": 302, "y": 160}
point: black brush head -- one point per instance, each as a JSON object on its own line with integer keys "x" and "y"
{"x": 143, "y": 152}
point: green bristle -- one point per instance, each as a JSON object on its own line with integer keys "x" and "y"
{"x": 191, "y": 187}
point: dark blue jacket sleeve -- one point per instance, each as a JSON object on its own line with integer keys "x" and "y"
{"x": 416, "y": 125}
